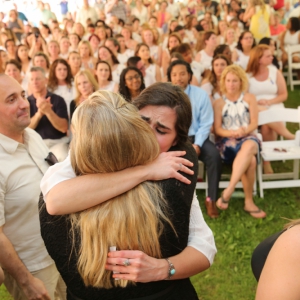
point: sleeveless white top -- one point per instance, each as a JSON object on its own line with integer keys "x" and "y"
{"x": 123, "y": 57}
{"x": 110, "y": 87}
{"x": 242, "y": 59}
{"x": 208, "y": 88}
{"x": 68, "y": 93}
{"x": 291, "y": 39}
{"x": 266, "y": 89}
{"x": 235, "y": 114}
{"x": 117, "y": 72}
{"x": 205, "y": 60}
{"x": 154, "y": 52}
{"x": 150, "y": 76}
{"x": 197, "y": 69}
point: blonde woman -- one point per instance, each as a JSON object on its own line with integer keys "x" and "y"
{"x": 275, "y": 263}
{"x": 130, "y": 149}
{"x": 53, "y": 51}
{"x": 87, "y": 56}
{"x": 85, "y": 84}
{"x": 155, "y": 49}
{"x": 235, "y": 120}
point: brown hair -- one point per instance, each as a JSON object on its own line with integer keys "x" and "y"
{"x": 53, "y": 81}
{"x": 255, "y": 55}
{"x": 167, "y": 94}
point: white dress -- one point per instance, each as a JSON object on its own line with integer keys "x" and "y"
{"x": 205, "y": 60}
{"x": 150, "y": 76}
{"x": 154, "y": 52}
{"x": 197, "y": 69}
{"x": 123, "y": 57}
{"x": 242, "y": 59}
{"x": 266, "y": 89}
{"x": 67, "y": 93}
{"x": 110, "y": 87}
{"x": 208, "y": 88}
{"x": 117, "y": 72}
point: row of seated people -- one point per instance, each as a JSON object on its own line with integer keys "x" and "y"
{"x": 44, "y": 101}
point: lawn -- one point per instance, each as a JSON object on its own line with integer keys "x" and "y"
{"x": 237, "y": 234}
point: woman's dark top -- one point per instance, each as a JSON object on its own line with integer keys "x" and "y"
{"x": 56, "y": 234}
{"x": 72, "y": 108}
{"x": 261, "y": 253}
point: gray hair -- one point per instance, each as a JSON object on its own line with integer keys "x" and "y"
{"x": 38, "y": 69}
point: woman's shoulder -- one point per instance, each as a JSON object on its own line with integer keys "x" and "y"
{"x": 248, "y": 97}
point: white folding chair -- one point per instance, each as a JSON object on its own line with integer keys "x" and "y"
{"x": 280, "y": 150}
{"x": 292, "y": 65}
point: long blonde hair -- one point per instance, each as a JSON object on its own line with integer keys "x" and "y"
{"x": 110, "y": 136}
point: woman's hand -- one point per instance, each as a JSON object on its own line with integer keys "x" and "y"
{"x": 263, "y": 102}
{"x": 167, "y": 165}
{"x": 142, "y": 268}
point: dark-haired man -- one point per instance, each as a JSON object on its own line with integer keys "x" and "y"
{"x": 180, "y": 73}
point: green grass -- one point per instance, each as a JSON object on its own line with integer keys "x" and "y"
{"x": 237, "y": 234}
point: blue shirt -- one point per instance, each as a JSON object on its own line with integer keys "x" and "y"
{"x": 202, "y": 114}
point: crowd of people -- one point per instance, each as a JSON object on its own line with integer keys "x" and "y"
{"x": 192, "y": 70}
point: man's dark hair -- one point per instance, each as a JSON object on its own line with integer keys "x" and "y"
{"x": 178, "y": 28}
{"x": 182, "y": 48}
{"x": 132, "y": 61}
{"x": 177, "y": 63}
{"x": 169, "y": 95}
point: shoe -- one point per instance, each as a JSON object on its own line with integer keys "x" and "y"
{"x": 257, "y": 214}
{"x": 211, "y": 208}
{"x": 223, "y": 201}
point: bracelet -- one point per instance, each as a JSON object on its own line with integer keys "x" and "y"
{"x": 171, "y": 271}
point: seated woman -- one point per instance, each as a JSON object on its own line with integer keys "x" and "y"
{"x": 87, "y": 56}
{"x": 106, "y": 54}
{"x": 85, "y": 84}
{"x": 236, "y": 116}
{"x": 104, "y": 77}
{"x": 131, "y": 83}
{"x": 173, "y": 41}
{"x": 241, "y": 54}
{"x": 209, "y": 43}
{"x": 177, "y": 194}
{"x": 275, "y": 265}
{"x": 212, "y": 84}
{"x": 290, "y": 37}
{"x": 13, "y": 69}
{"x": 230, "y": 38}
{"x": 268, "y": 85}
{"x": 224, "y": 50}
{"x": 60, "y": 81}
{"x": 270, "y": 42}
{"x": 153, "y": 73}
{"x": 40, "y": 59}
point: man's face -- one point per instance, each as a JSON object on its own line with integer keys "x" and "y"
{"x": 180, "y": 76}
{"x": 14, "y": 107}
{"x": 38, "y": 82}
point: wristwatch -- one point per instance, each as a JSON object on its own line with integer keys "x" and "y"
{"x": 172, "y": 269}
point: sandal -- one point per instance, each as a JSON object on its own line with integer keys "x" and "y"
{"x": 223, "y": 201}
{"x": 255, "y": 213}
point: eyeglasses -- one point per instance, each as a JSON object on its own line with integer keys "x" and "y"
{"x": 137, "y": 76}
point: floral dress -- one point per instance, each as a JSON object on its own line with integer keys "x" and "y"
{"x": 234, "y": 116}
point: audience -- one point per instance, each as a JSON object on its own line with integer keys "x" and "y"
{"x": 124, "y": 48}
